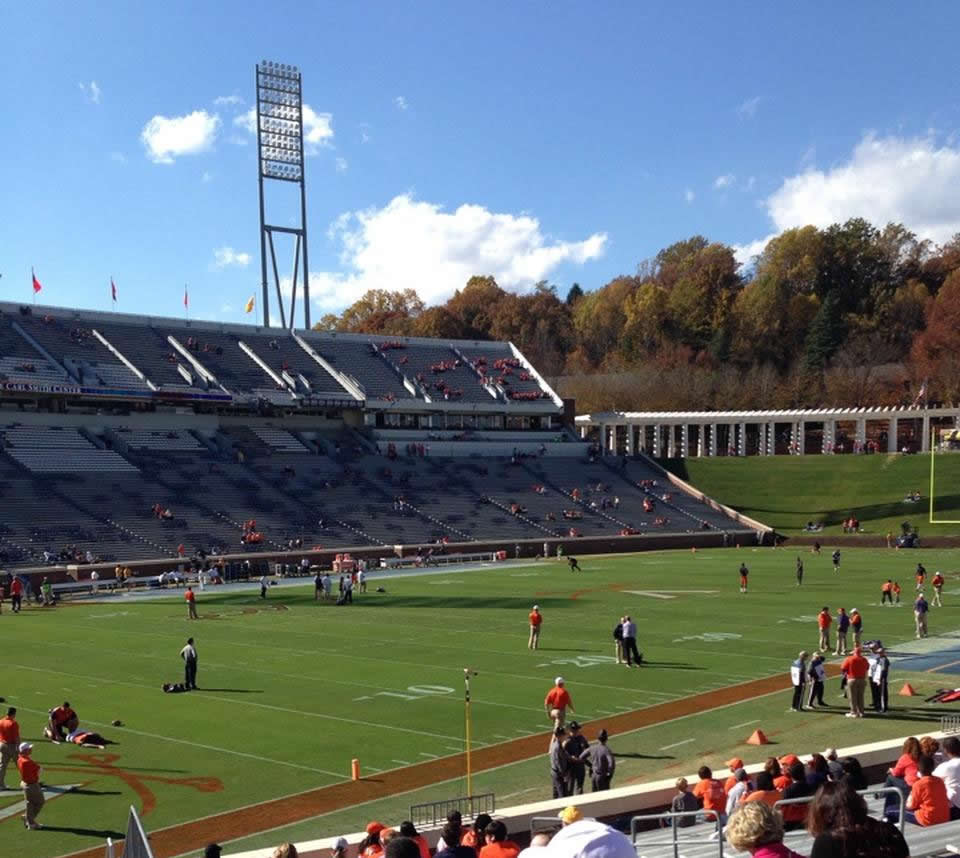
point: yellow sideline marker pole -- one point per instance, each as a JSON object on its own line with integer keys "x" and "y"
{"x": 466, "y": 725}
{"x": 933, "y": 435}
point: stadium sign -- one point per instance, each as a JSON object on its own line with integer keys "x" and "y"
{"x": 40, "y": 387}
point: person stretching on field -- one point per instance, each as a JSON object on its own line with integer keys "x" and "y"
{"x": 574, "y": 566}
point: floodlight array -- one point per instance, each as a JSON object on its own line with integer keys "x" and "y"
{"x": 280, "y": 70}
{"x": 290, "y": 172}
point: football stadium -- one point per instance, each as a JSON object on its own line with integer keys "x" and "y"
{"x": 668, "y": 568}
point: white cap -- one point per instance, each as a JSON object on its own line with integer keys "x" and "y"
{"x": 536, "y": 607}
{"x": 25, "y": 748}
{"x": 341, "y": 844}
{"x": 854, "y": 611}
{"x": 590, "y": 839}
{"x": 558, "y": 681}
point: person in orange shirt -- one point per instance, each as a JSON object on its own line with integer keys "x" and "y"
{"x": 191, "y": 599}
{"x": 497, "y": 845}
{"x": 856, "y": 668}
{"x": 781, "y": 780}
{"x": 557, "y": 701}
{"x": 370, "y": 846}
{"x": 928, "y": 803}
{"x": 63, "y": 720}
{"x": 886, "y": 592}
{"x": 937, "y": 583}
{"x": 896, "y": 591}
{"x": 473, "y": 835}
{"x": 765, "y": 790}
{"x": 536, "y": 620}
{"x": 731, "y": 782}
{"x": 30, "y": 782}
{"x": 711, "y": 794}
{"x": 408, "y": 829}
{"x": 823, "y": 622}
{"x": 9, "y": 743}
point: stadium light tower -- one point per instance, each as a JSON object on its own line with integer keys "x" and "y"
{"x": 280, "y": 158}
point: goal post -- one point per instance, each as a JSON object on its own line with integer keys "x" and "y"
{"x": 948, "y": 441}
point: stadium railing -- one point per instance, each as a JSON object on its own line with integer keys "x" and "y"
{"x": 433, "y": 813}
{"x": 676, "y": 841}
{"x": 876, "y": 792}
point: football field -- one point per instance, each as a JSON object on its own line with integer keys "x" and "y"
{"x": 291, "y": 690}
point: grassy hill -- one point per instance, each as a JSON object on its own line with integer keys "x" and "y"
{"x": 788, "y": 491}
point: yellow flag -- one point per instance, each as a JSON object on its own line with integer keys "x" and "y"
{"x": 250, "y": 303}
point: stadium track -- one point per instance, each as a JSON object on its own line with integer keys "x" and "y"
{"x": 234, "y": 824}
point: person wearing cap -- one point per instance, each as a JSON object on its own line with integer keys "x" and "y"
{"x": 557, "y": 701}
{"x": 856, "y": 667}
{"x": 212, "y": 850}
{"x": 577, "y": 748}
{"x": 741, "y": 789}
{"x": 589, "y": 838}
{"x": 602, "y": 763}
{"x": 370, "y": 846}
{"x": 559, "y": 762}
{"x": 497, "y": 844}
{"x": 30, "y": 784}
{"x": 569, "y": 815}
{"x": 733, "y": 764}
{"x": 817, "y": 676}
{"x": 823, "y": 624}
{"x": 9, "y": 743}
{"x": 536, "y": 620}
{"x": 798, "y": 676}
{"x": 879, "y": 673}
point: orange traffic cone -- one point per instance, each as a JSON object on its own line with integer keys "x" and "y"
{"x": 907, "y": 690}
{"x": 758, "y": 738}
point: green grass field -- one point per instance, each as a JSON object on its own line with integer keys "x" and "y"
{"x": 786, "y": 492}
{"x": 292, "y": 690}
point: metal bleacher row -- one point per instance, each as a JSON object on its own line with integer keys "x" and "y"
{"x": 100, "y": 488}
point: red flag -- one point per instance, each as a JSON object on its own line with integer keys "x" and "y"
{"x": 186, "y": 299}
{"x": 113, "y": 290}
{"x": 36, "y": 283}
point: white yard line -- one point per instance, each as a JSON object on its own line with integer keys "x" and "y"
{"x": 677, "y": 744}
{"x": 744, "y": 724}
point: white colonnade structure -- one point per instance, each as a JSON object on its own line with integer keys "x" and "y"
{"x": 829, "y": 431}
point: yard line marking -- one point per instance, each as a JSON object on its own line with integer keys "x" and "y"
{"x": 452, "y": 748}
{"x": 677, "y": 744}
{"x": 374, "y": 769}
{"x": 500, "y": 736}
{"x": 299, "y": 712}
{"x": 744, "y": 724}
{"x": 431, "y": 756}
{"x": 940, "y": 667}
{"x": 402, "y": 762}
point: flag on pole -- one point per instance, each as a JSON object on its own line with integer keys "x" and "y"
{"x": 921, "y": 394}
{"x": 113, "y": 290}
{"x": 186, "y": 298}
{"x": 250, "y": 304}
{"x": 36, "y": 283}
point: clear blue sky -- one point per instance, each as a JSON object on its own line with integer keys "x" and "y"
{"x": 560, "y": 140}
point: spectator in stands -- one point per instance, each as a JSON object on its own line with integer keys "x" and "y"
{"x": 741, "y": 789}
{"x": 818, "y": 770}
{"x": 455, "y": 821}
{"x": 407, "y": 829}
{"x": 931, "y": 747}
{"x": 399, "y": 846}
{"x": 602, "y": 763}
{"x": 758, "y": 829}
{"x": 684, "y": 801}
{"x": 949, "y": 772}
{"x": 212, "y": 850}
{"x": 795, "y": 815}
{"x": 497, "y": 844}
{"x": 834, "y": 770}
{"x": 473, "y": 835}
{"x": 710, "y": 793}
{"x": 451, "y": 838}
{"x": 285, "y": 850}
{"x": 852, "y": 772}
{"x": 928, "y": 803}
{"x": 840, "y": 825}
{"x": 780, "y": 779}
{"x": 370, "y": 846}
{"x": 764, "y": 790}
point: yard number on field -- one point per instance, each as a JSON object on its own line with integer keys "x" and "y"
{"x": 413, "y": 692}
{"x": 709, "y": 637}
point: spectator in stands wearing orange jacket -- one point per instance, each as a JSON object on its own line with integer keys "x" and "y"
{"x": 928, "y": 803}
{"x": 711, "y": 794}
{"x": 497, "y": 845}
{"x": 765, "y": 790}
{"x": 370, "y": 846}
{"x": 557, "y": 701}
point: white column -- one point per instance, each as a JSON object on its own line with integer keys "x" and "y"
{"x": 742, "y": 447}
{"x": 629, "y": 447}
{"x": 671, "y": 441}
{"x": 892, "y": 435}
{"x": 701, "y": 435}
{"x": 656, "y": 440}
{"x": 713, "y": 439}
{"x": 925, "y": 443}
{"x": 802, "y": 437}
{"x": 685, "y": 441}
{"x": 862, "y": 432}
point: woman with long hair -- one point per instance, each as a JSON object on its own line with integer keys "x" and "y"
{"x": 841, "y": 828}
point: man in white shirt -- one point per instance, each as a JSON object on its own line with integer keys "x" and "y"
{"x": 189, "y": 656}
{"x": 326, "y": 585}
{"x": 95, "y": 581}
{"x": 949, "y": 770}
{"x": 362, "y": 580}
{"x": 739, "y": 790}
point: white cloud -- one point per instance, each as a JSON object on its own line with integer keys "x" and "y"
{"x": 414, "y": 244}
{"x": 317, "y": 127}
{"x": 724, "y": 181}
{"x": 748, "y": 108}
{"x": 227, "y": 100}
{"x": 689, "y": 195}
{"x": 907, "y": 180}
{"x": 224, "y": 257}
{"x": 91, "y": 91}
{"x": 341, "y": 165}
{"x": 400, "y": 103}
{"x": 168, "y": 137}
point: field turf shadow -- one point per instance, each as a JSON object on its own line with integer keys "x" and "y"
{"x": 98, "y": 833}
